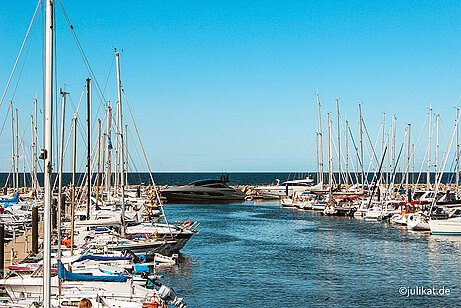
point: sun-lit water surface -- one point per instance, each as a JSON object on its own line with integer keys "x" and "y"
{"x": 258, "y": 254}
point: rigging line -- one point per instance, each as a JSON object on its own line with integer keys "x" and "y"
{"x": 26, "y": 158}
{"x": 82, "y": 53}
{"x": 23, "y": 64}
{"x": 412, "y": 154}
{"x": 6, "y": 117}
{"x": 369, "y": 140}
{"x": 138, "y": 156}
{"x": 358, "y": 158}
{"x": 20, "y": 51}
{"x": 188, "y": 286}
{"x": 8, "y": 178}
{"x": 438, "y": 178}
{"x": 108, "y": 75}
{"x": 147, "y": 162}
{"x": 395, "y": 167}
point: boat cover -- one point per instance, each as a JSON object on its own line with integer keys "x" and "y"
{"x": 15, "y": 199}
{"x": 100, "y": 258}
{"x": 66, "y": 275}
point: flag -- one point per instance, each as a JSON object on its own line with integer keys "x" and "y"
{"x": 109, "y": 143}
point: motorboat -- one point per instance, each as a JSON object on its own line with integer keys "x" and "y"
{"x": 288, "y": 188}
{"x": 204, "y": 191}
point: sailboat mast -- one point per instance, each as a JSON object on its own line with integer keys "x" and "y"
{"x": 35, "y": 147}
{"x": 408, "y": 159}
{"x": 393, "y": 167}
{"x": 339, "y": 146}
{"x": 32, "y": 178}
{"x": 47, "y": 152}
{"x": 382, "y": 146}
{"x": 320, "y": 140}
{"x": 317, "y": 148}
{"x": 361, "y": 146}
{"x": 428, "y": 176}
{"x": 13, "y": 155}
{"x": 347, "y": 155}
{"x": 99, "y": 160}
{"x": 74, "y": 160}
{"x": 109, "y": 151}
{"x": 330, "y": 160}
{"x": 126, "y": 154}
{"x": 88, "y": 156}
{"x": 24, "y": 165}
{"x": 120, "y": 129}
{"x": 61, "y": 161}
{"x": 17, "y": 150}
{"x": 437, "y": 119}
{"x": 457, "y": 155}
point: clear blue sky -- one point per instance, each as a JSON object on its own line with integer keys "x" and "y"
{"x": 230, "y": 85}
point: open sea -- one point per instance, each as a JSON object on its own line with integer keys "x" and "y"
{"x": 235, "y": 178}
{"x": 257, "y": 254}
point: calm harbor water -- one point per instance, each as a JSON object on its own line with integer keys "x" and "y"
{"x": 257, "y": 254}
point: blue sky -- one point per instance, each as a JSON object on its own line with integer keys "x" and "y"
{"x": 229, "y": 85}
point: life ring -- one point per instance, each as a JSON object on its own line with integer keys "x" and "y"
{"x": 187, "y": 224}
{"x": 66, "y": 243}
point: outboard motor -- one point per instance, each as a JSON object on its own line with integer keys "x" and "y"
{"x": 167, "y": 294}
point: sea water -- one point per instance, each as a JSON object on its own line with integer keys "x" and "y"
{"x": 257, "y": 254}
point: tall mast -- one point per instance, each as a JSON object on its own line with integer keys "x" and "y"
{"x": 339, "y": 147}
{"x": 24, "y": 165}
{"x": 457, "y": 155}
{"x": 428, "y": 176}
{"x": 17, "y": 150}
{"x": 383, "y": 143}
{"x": 437, "y": 119}
{"x": 126, "y": 154}
{"x": 88, "y": 157}
{"x": 61, "y": 162}
{"x": 13, "y": 155}
{"x": 99, "y": 160}
{"x": 120, "y": 129}
{"x": 408, "y": 158}
{"x": 393, "y": 168}
{"x": 32, "y": 178}
{"x": 330, "y": 161}
{"x": 48, "y": 151}
{"x": 361, "y": 146}
{"x": 35, "y": 146}
{"x": 320, "y": 140}
{"x": 109, "y": 150}
{"x": 318, "y": 162}
{"x": 117, "y": 152}
{"x": 347, "y": 155}
{"x": 74, "y": 160}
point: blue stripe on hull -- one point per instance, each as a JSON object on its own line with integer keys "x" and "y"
{"x": 443, "y": 233}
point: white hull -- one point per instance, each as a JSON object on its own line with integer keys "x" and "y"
{"x": 451, "y": 226}
{"x": 276, "y": 192}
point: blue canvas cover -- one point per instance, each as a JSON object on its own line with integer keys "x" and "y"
{"x": 100, "y": 258}
{"x": 66, "y": 275}
{"x": 15, "y": 199}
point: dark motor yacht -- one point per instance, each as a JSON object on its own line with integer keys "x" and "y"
{"x": 204, "y": 191}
